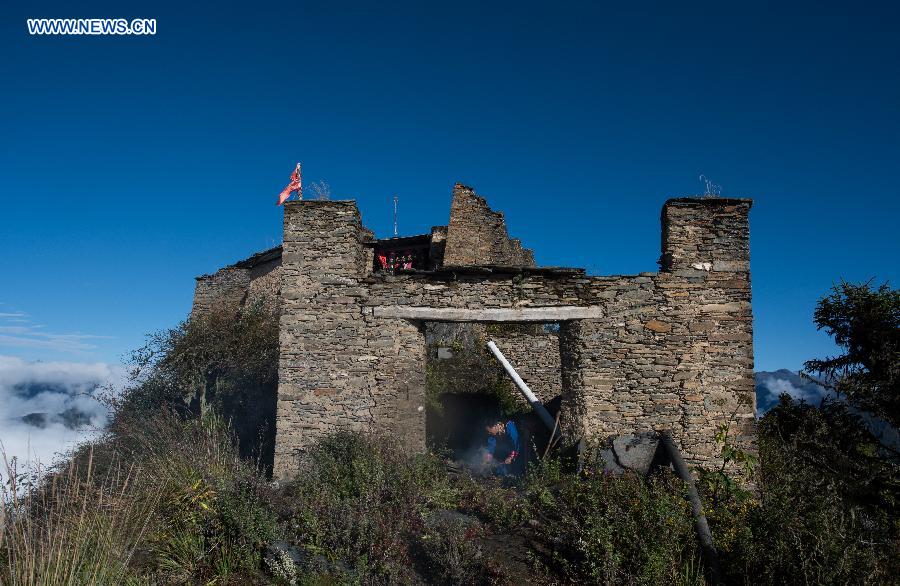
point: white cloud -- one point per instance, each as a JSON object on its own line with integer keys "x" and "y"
{"x": 18, "y": 331}
{"x": 50, "y": 388}
{"x": 770, "y": 385}
{"x": 781, "y": 386}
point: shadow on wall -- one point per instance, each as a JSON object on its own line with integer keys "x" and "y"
{"x": 251, "y": 411}
{"x": 465, "y": 385}
{"x": 249, "y": 408}
{"x": 457, "y": 423}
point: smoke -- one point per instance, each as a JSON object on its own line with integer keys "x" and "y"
{"x": 46, "y": 408}
{"x": 475, "y": 460}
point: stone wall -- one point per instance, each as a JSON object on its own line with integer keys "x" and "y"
{"x": 265, "y": 285}
{"x": 339, "y": 368}
{"x": 476, "y": 234}
{"x": 254, "y": 280}
{"x": 675, "y": 349}
{"x": 534, "y": 353}
{"x": 322, "y": 354}
{"x": 458, "y": 360}
{"x": 669, "y": 350}
{"x": 225, "y": 288}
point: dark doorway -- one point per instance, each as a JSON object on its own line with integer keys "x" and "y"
{"x": 458, "y": 426}
{"x": 458, "y": 423}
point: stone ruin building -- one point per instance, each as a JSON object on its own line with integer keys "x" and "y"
{"x": 364, "y": 322}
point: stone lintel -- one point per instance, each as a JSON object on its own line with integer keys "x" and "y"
{"x": 524, "y": 314}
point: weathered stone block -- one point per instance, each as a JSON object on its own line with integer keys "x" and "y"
{"x": 658, "y": 326}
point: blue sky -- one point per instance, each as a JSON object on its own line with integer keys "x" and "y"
{"x": 129, "y": 165}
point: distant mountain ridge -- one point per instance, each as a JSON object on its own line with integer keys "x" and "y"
{"x": 771, "y": 384}
{"x": 31, "y": 389}
{"x": 72, "y": 418}
{"x": 46, "y": 407}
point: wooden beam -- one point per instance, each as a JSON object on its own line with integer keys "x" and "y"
{"x": 519, "y": 314}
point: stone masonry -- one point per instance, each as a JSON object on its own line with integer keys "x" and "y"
{"x": 476, "y": 235}
{"x": 256, "y": 279}
{"x": 459, "y": 361}
{"x": 666, "y": 350}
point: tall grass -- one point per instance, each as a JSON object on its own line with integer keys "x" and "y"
{"x": 73, "y": 528}
{"x": 164, "y": 501}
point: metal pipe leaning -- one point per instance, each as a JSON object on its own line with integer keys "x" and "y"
{"x": 523, "y": 388}
{"x": 700, "y": 525}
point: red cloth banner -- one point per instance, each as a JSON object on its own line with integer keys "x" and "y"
{"x": 296, "y": 184}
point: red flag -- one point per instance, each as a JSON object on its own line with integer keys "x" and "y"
{"x": 296, "y": 184}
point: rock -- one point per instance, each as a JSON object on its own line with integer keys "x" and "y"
{"x": 450, "y": 516}
{"x": 631, "y": 452}
{"x": 284, "y": 561}
{"x": 288, "y": 563}
{"x": 658, "y": 326}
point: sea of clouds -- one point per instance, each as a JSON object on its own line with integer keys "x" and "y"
{"x": 48, "y": 407}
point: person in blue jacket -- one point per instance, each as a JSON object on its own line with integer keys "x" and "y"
{"x": 503, "y": 451}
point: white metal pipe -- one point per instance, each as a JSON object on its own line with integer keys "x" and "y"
{"x": 523, "y": 388}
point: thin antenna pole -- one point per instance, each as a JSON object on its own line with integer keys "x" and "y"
{"x": 395, "y": 215}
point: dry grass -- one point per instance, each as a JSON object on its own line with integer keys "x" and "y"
{"x": 163, "y": 500}
{"x": 71, "y": 527}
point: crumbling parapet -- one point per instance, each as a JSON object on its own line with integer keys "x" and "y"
{"x": 225, "y": 288}
{"x": 706, "y": 234}
{"x": 254, "y": 280}
{"x": 438, "y": 244}
{"x": 477, "y": 235}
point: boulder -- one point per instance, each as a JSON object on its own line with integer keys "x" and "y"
{"x": 635, "y": 452}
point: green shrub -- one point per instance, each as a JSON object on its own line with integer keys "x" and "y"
{"x": 220, "y": 362}
{"x": 186, "y": 510}
{"x": 359, "y": 502}
{"x": 492, "y": 500}
{"x": 593, "y": 527}
{"x": 75, "y": 528}
{"x": 619, "y": 529}
{"x": 730, "y": 505}
{"x": 213, "y": 519}
{"x": 827, "y": 512}
{"x": 452, "y": 555}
